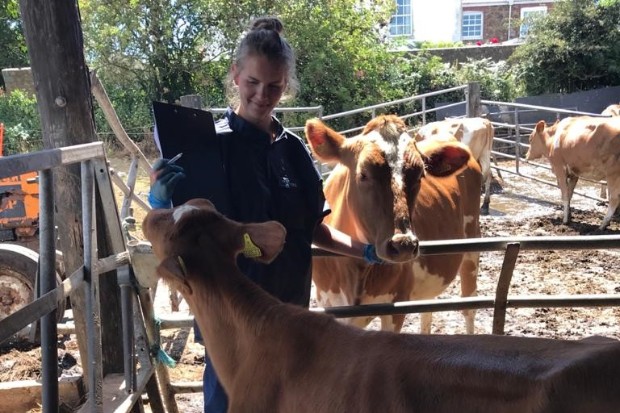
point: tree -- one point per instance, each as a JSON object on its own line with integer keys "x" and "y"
{"x": 14, "y": 52}
{"x": 576, "y": 47}
{"x": 151, "y": 45}
{"x": 166, "y": 50}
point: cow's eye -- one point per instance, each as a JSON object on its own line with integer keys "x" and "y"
{"x": 363, "y": 177}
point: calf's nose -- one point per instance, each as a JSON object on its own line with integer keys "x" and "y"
{"x": 402, "y": 248}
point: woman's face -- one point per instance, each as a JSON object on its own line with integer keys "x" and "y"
{"x": 261, "y": 84}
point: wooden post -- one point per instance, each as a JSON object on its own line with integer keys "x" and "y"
{"x": 62, "y": 85}
{"x": 473, "y": 100}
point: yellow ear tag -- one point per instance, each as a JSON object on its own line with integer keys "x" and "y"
{"x": 250, "y": 249}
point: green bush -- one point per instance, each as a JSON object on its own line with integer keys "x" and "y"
{"x": 22, "y": 125}
{"x": 497, "y": 80}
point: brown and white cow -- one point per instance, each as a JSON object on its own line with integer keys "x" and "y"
{"x": 387, "y": 189}
{"x": 612, "y": 110}
{"x": 581, "y": 146}
{"x": 280, "y": 358}
{"x": 477, "y": 134}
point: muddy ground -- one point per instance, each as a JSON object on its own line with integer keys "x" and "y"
{"x": 522, "y": 208}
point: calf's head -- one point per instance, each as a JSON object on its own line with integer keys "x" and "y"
{"x": 540, "y": 140}
{"x": 380, "y": 173}
{"x": 195, "y": 243}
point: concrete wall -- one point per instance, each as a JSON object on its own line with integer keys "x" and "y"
{"x": 18, "y": 78}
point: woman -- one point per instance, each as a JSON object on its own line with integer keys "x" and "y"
{"x": 270, "y": 175}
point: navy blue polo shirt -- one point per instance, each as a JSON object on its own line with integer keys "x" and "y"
{"x": 272, "y": 181}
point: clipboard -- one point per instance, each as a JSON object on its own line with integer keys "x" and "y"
{"x": 192, "y": 132}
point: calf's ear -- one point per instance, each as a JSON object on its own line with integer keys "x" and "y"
{"x": 173, "y": 271}
{"x": 444, "y": 159}
{"x": 324, "y": 142}
{"x": 263, "y": 241}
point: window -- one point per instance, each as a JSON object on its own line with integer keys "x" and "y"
{"x": 471, "y": 29}
{"x": 528, "y": 14}
{"x": 400, "y": 25}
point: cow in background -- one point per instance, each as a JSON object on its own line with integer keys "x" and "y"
{"x": 281, "y": 358}
{"x": 477, "y": 134}
{"x": 387, "y": 188}
{"x": 581, "y": 146}
{"x": 612, "y": 110}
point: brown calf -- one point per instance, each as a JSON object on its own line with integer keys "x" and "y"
{"x": 278, "y": 358}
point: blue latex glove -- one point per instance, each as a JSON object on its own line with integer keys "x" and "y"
{"x": 162, "y": 189}
{"x": 370, "y": 255}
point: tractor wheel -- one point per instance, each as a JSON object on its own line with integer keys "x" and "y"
{"x": 18, "y": 271}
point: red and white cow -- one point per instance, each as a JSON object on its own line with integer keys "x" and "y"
{"x": 281, "y": 358}
{"x": 477, "y": 134}
{"x": 386, "y": 190}
{"x": 612, "y": 110}
{"x": 581, "y": 146}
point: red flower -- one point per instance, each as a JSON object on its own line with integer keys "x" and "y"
{"x": 478, "y": 43}
{"x": 494, "y": 40}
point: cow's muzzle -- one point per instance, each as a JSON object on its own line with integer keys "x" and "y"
{"x": 401, "y": 248}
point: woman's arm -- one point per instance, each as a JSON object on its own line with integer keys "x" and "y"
{"x": 333, "y": 240}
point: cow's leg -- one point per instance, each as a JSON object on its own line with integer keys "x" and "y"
{"x": 393, "y": 323}
{"x": 571, "y": 181}
{"x": 564, "y": 182}
{"x": 613, "y": 199}
{"x": 484, "y": 209}
{"x": 426, "y": 320}
{"x": 175, "y": 299}
{"x": 469, "y": 285}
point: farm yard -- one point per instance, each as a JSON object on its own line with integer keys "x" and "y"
{"x": 522, "y": 208}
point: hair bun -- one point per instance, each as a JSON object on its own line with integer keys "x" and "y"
{"x": 267, "y": 23}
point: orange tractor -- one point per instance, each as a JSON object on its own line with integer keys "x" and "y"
{"x": 19, "y": 243}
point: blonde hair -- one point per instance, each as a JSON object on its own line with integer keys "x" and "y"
{"x": 264, "y": 38}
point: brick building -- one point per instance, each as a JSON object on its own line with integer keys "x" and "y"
{"x": 469, "y": 21}
{"x": 483, "y": 20}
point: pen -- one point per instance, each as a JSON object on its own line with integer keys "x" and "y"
{"x": 175, "y": 158}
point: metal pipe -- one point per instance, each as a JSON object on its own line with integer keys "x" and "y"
{"x": 89, "y": 261}
{"x": 127, "y": 292}
{"x": 47, "y": 282}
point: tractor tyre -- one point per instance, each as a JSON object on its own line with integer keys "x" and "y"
{"x": 18, "y": 272}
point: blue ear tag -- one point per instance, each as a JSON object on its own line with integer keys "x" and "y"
{"x": 250, "y": 250}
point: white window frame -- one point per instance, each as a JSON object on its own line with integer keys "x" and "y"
{"x": 524, "y": 28}
{"x": 474, "y": 36}
{"x": 402, "y": 20}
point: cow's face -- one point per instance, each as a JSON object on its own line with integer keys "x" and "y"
{"x": 380, "y": 174}
{"x": 538, "y": 141}
{"x": 194, "y": 242}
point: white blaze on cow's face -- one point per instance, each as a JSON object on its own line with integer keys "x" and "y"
{"x": 178, "y": 212}
{"x": 383, "y": 172}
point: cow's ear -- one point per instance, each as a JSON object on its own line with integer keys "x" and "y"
{"x": 263, "y": 241}
{"x": 324, "y": 142}
{"x": 173, "y": 271}
{"x": 445, "y": 159}
{"x": 540, "y": 126}
{"x": 458, "y": 133}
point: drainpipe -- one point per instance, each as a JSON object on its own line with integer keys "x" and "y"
{"x": 510, "y": 2}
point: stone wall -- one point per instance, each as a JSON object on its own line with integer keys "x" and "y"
{"x": 18, "y": 78}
